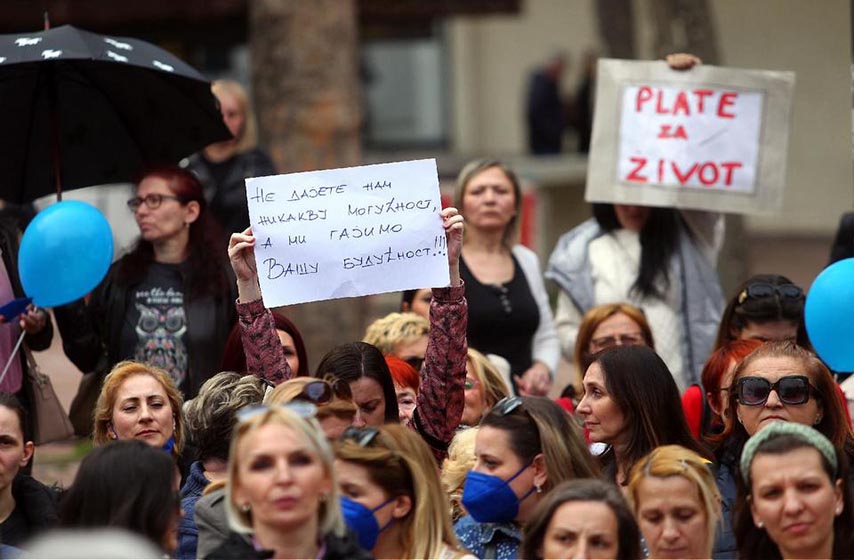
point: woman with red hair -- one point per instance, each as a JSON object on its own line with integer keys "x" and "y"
{"x": 169, "y": 302}
{"x": 406, "y": 381}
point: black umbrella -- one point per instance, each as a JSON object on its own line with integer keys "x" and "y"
{"x": 80, "y": 109}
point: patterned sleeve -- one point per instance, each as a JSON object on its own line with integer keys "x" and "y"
{"x": 264, "y": 354}
{"x": 441, "y": 397}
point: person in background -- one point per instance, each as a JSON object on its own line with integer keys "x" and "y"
{"x": 210, "y": 419}
{"x": 483, "y": 389}
{"x": 524, "y": 447}
{"x": 779, "y": 381}
{"x": 26, "y": 505}
{"x": 606, "y": 326}
{"x": 282, "y": 498}
{"x": 457, "y": 464}
{"x": 582, "y": 519}
{"x": 389, "y": 489}
{"x": 416, "y": 301}
{"x": 400, "y": 334}
{"x": 509, "y": 312}
{"x": 169, "y": 302}
{"x": 405, "y": 386}
{"x": 765, "y": 307}
{"x": 704, "y": 405}
{"x": 677, "y": 505}
{"x": 223, "y": 167}
{"x": 661, "y": 260}
{"x": 843, "y": 242}
{"x": 126, "y": 484}
{"x": 799, "y": 501}
{"x": 546, "y": 114}
{"x": 332, "y": 398}
{"x": 293, "y": 346}
{"x": 631, "y": 403}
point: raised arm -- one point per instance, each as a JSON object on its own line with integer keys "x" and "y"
{"x": 264, "y": 354}
{"x": 441, "y": 396}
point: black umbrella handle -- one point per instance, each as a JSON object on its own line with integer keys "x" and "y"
{"x": 54, "y": 124}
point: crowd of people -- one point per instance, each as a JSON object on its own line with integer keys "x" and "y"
{"x": 696, "y": 427}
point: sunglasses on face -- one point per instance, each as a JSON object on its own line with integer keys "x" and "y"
{"x": 415, "y": 362}
{"x": 792, "y": 389}
{"x": 363, "y": 437}
{"x": 764, "y": 290}
{"x": 152, "y": 201}
{"x": 628, "y": 339}
{"x": 470, "y": 384}
{"x": 322, "y": 392}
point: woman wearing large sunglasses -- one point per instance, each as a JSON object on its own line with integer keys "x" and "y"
{"x": 440, "y": 396}
{"x": 524, "y": 447}
{"x": 390, "y": 494}
{"x": 779, "y": 381}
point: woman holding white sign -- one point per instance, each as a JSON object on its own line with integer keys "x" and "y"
{"x": 661, "y": 260}
{"x": 440, "y": 400}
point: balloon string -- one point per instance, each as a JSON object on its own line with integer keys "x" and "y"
{"x": 12, "y": 355}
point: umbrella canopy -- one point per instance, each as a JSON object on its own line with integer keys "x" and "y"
{"x": 95, "y": 109}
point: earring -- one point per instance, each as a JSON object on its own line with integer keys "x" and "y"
{"x": 245, "y": 507}
{"x": 539, "y": 488}
{"x": 760, "y": 525}
{"x": 838, "y": 510}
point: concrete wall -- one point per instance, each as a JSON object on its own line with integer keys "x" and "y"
{"x": 492, "y": 56}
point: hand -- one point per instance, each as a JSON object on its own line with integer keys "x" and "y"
{"x": 535, "y": 382}
{"x": 33, "y": 321}
{"x": 682, "y": 61}
{"x": 454, "y": 225}
{"x": 241, "y": 254}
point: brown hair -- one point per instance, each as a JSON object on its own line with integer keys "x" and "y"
{"x": 595, "y": 317}
{"x": 287, "y": 391}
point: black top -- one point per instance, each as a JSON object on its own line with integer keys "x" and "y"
{"x": 36, "y": 509}
{"x": 337, "y": 548}
{"x": 502, "y": 318}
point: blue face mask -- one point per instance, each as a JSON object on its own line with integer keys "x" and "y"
{"x": 489, "y": 499}
{"x": 361, "y": 521}
{"x": 169, "y": 445}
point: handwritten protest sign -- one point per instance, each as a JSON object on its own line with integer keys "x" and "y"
{"x": 709, "y": 138}
{"x": 348, "y": 232}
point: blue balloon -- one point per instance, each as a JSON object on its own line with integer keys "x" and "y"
{"x": 65, "y": 252}
{"x": 829, "y": 315}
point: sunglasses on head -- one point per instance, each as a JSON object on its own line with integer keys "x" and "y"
{"x": 304, "y": 410}
{"x": 792, "y": 389}
{"x": 322, "y": 392}
{"x": 764, "y": 290}
{"x": 363, "y": 437}
{"x": 507, "y": 405}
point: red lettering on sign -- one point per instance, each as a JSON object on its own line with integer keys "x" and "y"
{"x": 727, "y": 100}
{"x": 633, "y": 175}
{"x": 704, "y": 179}
{"x": 730, "y": 166}
{"x": 701, "y": 95}
{"x": 681, "y": 104}
{"x": 679, "y": 176}
{"x": 644, "y": 95}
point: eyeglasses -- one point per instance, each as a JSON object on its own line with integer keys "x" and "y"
{"x": 628, "y": 339}
{"x": 321, "y": 392}
{"x": 302, "y": 409}
{"x": 507, "y": 405}
{"x": 152, "y": 201}
{"x": 362, "y": 436}
{"x": 763, "y": 290}
{"x": 415, "y": 362}
{"x": 792, "y": 389}
{"x": 503, "y": 297}
{"x": 470, "y": 384}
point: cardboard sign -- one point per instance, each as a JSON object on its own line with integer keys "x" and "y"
{"x": 708, "y": 138}
{"x": 348, "y": 232}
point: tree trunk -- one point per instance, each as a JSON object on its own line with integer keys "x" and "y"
{"x": 306, "y": 87}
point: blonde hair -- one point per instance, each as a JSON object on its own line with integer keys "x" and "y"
{"x": 290, "y": 389}
{"x": 248, "y": 138}
{"x": 473, "y": 168}
{"x": 674, "y": 460}
{"x": 399, "y": 462}
{"x": 487, "y": 375}
{"x": 387, "y": 333}
{"x": 330, "y": 519}
{"x": 120, "y": 373}
{"x": 457, "y": 464}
